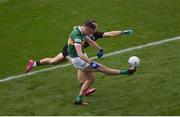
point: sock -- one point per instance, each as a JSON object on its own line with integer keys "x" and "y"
{"x": 82, "y": 84}
{"x": 79, "y": 99}
{"x": 34, "y": 64}
{"x": 123, "y": 72}
{"x": 38, "y": 63}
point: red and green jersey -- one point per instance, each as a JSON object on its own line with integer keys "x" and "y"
{"x": 76, "y": 36}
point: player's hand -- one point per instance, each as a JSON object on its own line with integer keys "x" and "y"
{"x": 100, "y": 53}
{"x": 127, "y": 32}
{"x": 94, "y": 65}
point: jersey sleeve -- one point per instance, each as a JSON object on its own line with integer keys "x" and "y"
{"x": 77, "y": 40}
{"x": 98, "y": 35}
{"x": 76, "y": 37}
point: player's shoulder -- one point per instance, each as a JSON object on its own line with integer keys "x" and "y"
{"x": 98, "y": 35}
{"x": 75, "y": 32}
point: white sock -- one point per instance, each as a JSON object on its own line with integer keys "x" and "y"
{"x": 35, "y": 64}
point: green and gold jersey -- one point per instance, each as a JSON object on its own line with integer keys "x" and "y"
{"x": 76, "y": 36}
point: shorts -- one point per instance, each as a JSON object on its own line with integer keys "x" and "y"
{"x": 65, "y": 51}
{"x": 79, "y": 63}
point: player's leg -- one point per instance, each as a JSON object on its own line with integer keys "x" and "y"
{"x": 110, "y": 71}
{"x": 68, "y": 58}
{"x": 81, "y": 64}
{"x": 86, "y": 84}
{"x": 45, "y": 61}
{"x": 82, "y": 78}
{"x": 52, "y": 61}
{"x": 49, "y": 61}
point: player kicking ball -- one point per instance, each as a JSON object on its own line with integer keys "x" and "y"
{"x": 85, "y": 65}
{"x": 64, "y": 56}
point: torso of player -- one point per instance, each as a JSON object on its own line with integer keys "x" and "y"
{"x": 76, "y": 36}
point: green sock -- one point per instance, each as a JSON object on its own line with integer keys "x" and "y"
{"x": 123, "y": 72}
{"x": 79, "y": 98}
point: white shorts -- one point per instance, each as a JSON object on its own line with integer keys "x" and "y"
{"x": 79, "y": 63}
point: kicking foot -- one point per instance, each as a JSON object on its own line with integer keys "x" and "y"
{"x": 89, "y": 91}
{"x": 29, "y": 65}
{"x": 131, "y": 70}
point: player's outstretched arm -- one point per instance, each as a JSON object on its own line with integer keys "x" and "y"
{"x": 117, "y": 33}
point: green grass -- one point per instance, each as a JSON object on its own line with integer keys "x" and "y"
{"x": 40, "y": 28}
{"x": 153, "y": 90}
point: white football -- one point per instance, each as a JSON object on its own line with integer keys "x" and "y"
{"x": 134, "y": 61}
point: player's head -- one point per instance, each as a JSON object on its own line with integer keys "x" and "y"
{"x": 89, "y": 27}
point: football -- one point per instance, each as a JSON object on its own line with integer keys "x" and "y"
{"x": 134, "y": 61}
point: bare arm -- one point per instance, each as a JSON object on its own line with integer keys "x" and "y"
{"x": 93, "y": 43}
{"x": 112, "y": 33}
{"x": 80, "y": 53}
{"x": 117, "y": 33}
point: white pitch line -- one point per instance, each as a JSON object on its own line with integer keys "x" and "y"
{"x": 106, "y": 55}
